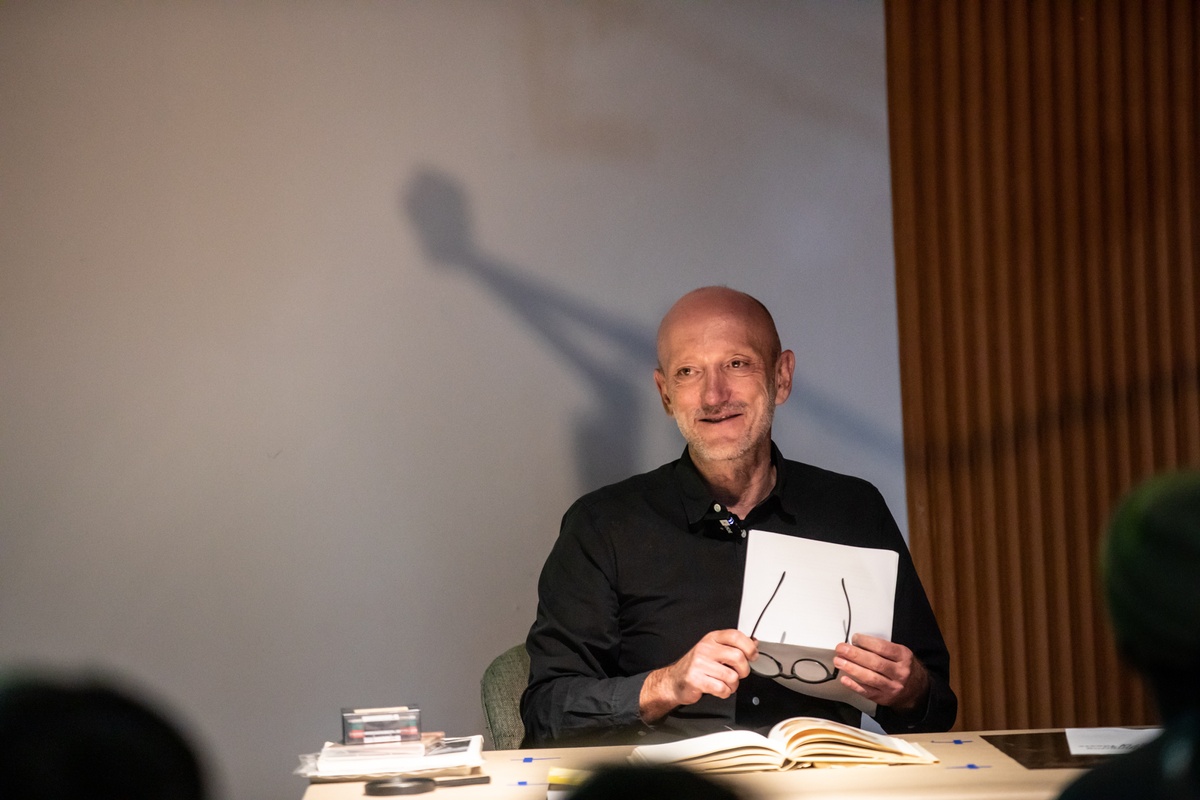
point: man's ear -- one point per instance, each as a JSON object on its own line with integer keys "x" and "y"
{"x": 785, "y": 367}
{"x": 660, "y": 380}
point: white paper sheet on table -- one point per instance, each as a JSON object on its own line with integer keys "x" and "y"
{"x": 1108, "y": 741}
{"x": 808, "y": 615}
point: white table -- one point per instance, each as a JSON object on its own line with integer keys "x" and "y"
{"x": 969, "y": 768}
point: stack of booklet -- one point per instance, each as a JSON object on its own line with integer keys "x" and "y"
{"x": 433, "y": 757}
{"x": 561, "y": 782}
{"x": 792, "y": 744}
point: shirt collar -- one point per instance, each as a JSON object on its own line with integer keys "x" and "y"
{"x": 701, "y": 507}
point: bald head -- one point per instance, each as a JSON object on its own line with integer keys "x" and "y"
{"x": 720, "y": 374}
{"x": 717, "y": 303}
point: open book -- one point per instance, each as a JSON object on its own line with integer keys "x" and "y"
{"x": 792, "y": 744}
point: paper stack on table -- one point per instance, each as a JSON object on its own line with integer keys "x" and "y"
{"x": 451, "y": 756}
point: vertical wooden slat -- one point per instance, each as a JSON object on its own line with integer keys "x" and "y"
{"x": 1077, "y": 84}
{"x": 1161, "y": 318}
{"x": 1041, "y": 337}
{"x": 1022, "y": 199}
{"x": 985, "y": 158}
{"x": 1069, "y": 316}
{"x": 978, "y": 463}
{"x": 1044, "y": 162}
{"x": 1104, "y": 402}
{"x": 1185, "y": 65}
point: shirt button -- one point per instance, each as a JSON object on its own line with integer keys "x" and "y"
{"x": 717, "y": 507}
{"x": 754, "y": 701}
{"x": 743, "y": 534}
{"x": 643, "y": 733}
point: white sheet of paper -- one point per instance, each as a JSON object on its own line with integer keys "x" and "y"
{"x": 808, "y": 616}
{"x": 1108, "y": 741}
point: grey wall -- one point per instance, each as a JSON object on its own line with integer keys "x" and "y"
{"x": 315, "y": 316}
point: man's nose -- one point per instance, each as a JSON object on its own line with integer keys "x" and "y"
{"x": 715, "y": 388}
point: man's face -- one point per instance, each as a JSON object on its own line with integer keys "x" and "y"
{"x": 718, "y": 379}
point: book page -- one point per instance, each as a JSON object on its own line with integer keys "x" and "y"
{"x": 801, "y": 598}
{"x": 793, "y": 743}
{"x": 759, "y": 750}
{"x": 825, "y": 741}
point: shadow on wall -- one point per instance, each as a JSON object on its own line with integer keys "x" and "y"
{"x": 609, "y": 435}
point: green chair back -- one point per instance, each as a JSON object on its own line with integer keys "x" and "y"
{"x": 503, "y": 682}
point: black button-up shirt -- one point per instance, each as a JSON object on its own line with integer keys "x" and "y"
{"x": 644, "y": 568}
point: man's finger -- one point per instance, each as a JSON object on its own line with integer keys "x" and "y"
{"x": 731, "y": 637}
{"x": 730, "y": 647}
{"x": 866, "y": 677}
{"x": 859, "y": 660}
{"x": 880, "y": 646}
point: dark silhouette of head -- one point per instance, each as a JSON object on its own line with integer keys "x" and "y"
{"x": 650, "y": 783}
{"x": 1151, "y": 572}
{"x": 61, "y": 740}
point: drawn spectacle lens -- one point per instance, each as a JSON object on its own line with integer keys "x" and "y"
{"x": 804, "y": 670}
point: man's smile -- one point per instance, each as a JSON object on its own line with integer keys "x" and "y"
{"x": 721, "y": 415}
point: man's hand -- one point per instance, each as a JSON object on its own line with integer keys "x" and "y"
{"x": 714, "y": 666}
{"x": 883, "y": 671}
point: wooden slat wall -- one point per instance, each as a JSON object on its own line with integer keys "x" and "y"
{"x": 1045, "y": 158}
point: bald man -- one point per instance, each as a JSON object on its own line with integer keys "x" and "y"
{"x": 635, "y": 638}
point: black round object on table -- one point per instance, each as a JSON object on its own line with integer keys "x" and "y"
{"x": 393, "y": 786}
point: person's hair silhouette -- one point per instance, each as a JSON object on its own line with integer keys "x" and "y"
{"x": 1150, "y": 569}
{"x": 61, "y": 740}
{"x": 650, "y": 782}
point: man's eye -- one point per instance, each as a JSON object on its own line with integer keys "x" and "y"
{"x": 737, "y": 363}
{"x": 684, "y": 372}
